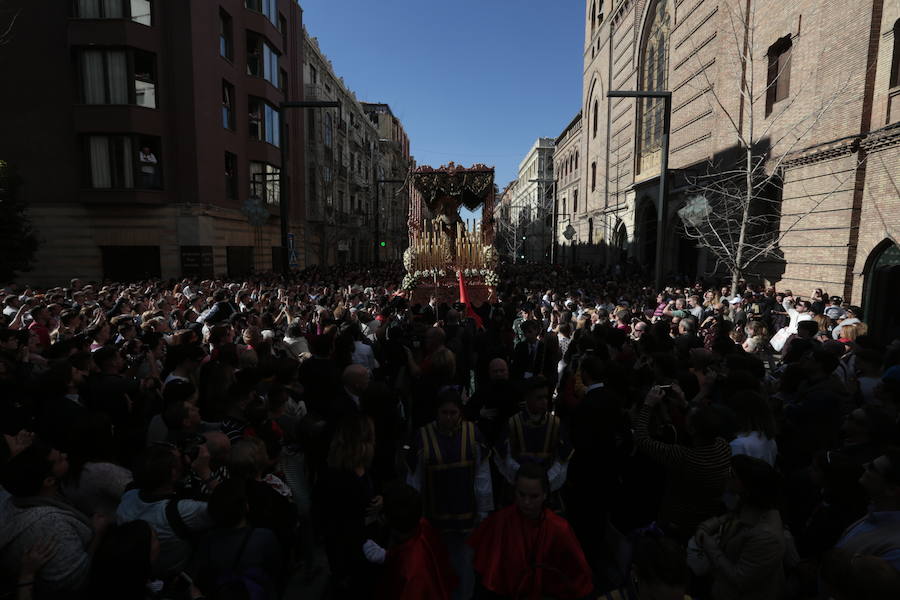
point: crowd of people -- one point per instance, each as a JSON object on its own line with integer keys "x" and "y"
{"x": 580, "y": 435}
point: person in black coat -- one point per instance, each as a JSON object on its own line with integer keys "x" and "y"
{"x": 494, "y": 402}
{"x": 598, "y": 434}
{"x": 345, "y": 504}
{"x": 529, "y": 355}
{"x": 62, "y": 404}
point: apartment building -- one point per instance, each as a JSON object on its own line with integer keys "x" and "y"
{"x": 147, "y": 134}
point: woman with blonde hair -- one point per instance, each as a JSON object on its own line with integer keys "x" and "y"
{"x": 849, "y": 333}
{"x": 757, "y": 339}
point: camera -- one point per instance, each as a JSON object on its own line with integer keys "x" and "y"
{"x": 189, "y": 445}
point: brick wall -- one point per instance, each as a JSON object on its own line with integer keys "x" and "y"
{"x": 832, "y": 62}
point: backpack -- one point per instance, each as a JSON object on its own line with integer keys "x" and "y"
{"x": 253, "y": 579}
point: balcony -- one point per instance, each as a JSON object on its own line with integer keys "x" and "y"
{"x": 312, "y": 91}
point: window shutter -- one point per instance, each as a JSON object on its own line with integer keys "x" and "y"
{"x": 784, "y": 74}
{"x": 895, "y": 62}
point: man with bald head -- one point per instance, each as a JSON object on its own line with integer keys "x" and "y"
{"x": 355, "y": 379}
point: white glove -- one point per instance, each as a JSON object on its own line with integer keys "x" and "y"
{"x": 374, "y": 553}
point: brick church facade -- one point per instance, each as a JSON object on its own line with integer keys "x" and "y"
{"x": 824, "y": 108}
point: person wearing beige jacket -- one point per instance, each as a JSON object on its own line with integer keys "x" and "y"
{"x": 746, "y": 546}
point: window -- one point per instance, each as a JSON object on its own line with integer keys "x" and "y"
{"x": 895, "y": 62}
{"x": 114, "y": 160}
{"x": 118, "y": 77}
{"x": 328, "y": 133}
{"x": 226, "y": 38}
{"x": 139, "y": 11}
{"x": 144, "y": 79}
{"x": 590, "y": 231}
{"x": 778, "y": 81}
{"x": 593, "y": 176}
{"x": 104, "y": 76}
{"x": 267, "y": 7}
{"x": 576, "y": 161}
{"x": 574, "y": 201}
{"x": 313, "y": 75}
{"x": 264, "y": 122}
{"x": 311, "y": 125}
{"x": 282, "y": 25}
{"x": 593, "y": 16}
{"x": 262, "y": 59}
{"x": 653, "y": 77}
{"x": 265, "y": 182}
{"x": 596, "y": 110}
{"x": 230, "y": 176}
{"x": 142, "y": 12}
{"x": 227, "y": 105}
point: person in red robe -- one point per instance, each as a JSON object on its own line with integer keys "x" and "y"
{"x": 526, "y": 551}
{"x": 416, "y": 563}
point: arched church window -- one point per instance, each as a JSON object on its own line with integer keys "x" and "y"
{"x": 653, "y": 77}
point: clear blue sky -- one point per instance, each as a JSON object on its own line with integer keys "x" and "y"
{"x": 471, "y": 80}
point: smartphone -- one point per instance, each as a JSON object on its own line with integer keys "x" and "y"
{"x": 665, "y": 387}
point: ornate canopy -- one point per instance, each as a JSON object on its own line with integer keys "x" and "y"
{"x": 469, "y": 187}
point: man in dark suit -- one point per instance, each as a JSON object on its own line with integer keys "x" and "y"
{"x": 598, "y": 434}
{"x": 530, "y": 354}
{"x": 354, "y": 381}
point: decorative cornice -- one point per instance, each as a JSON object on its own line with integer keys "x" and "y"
{"x": 874, "y": 141}
{"x": 886, "y": 137}
{"x": 821, "y": 152}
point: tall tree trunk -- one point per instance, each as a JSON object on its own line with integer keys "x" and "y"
{"x": 746, "y": 91}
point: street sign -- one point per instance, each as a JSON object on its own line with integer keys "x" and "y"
{"x": 569, "y": 232}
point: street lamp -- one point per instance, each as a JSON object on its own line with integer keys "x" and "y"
{"x": 378, "y": 242}
{"x": 662, "y": 205}
{"x": 285, "y": 211}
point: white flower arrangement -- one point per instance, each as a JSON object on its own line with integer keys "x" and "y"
{"x": 491, "y": 278}
{"x": 410, "y": 282}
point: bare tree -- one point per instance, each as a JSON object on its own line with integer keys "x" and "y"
{"x": 734, "y": 207}
{"x": 7, "y": 22}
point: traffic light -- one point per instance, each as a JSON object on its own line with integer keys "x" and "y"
{"x": 382, "y": 244}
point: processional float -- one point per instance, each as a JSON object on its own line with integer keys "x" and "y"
{"x": 444, "y": 248}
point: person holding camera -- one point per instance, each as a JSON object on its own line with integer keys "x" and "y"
{"x": 696, "y": 474}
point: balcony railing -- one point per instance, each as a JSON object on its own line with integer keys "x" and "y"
{"x": 312, "y": 92}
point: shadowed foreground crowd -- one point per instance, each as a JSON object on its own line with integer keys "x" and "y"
{"x": 581, "y": 436}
